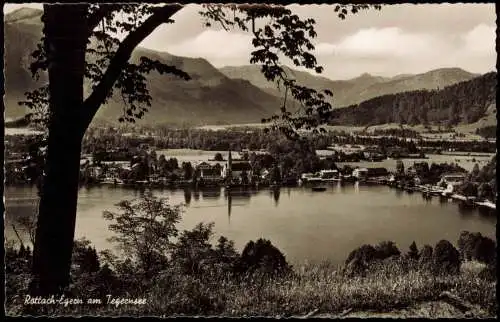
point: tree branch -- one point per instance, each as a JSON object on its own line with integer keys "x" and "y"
{"x": 102, "y": 11}
{"x": 121, "y": 57}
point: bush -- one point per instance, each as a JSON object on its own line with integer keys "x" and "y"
{"x": 445, "y": 258}
{"x": 386, "y": 249}
{"x": 226, "y": 254}
{"x": 97, "y": 284}
{"x": 17, "y": 277}
{"x": 474, "y": 246}
{"x": 123, "y": 276}
{"x": 359, "y": 259}
{"x": 485, "y": 251}
{"x": 467, "y": 242}
{"x": 425, "y": 258}
{"x": 365, "y": 252}
{"x": 193, "y": 248}
{"x": 413, "y": 252}
{"x": 263, "y": 257}
{"x": 144, "y": 229}
{"x": 84, "y": 258}
{"x": 194, "y": 255}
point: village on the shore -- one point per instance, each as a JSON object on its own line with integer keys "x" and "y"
{"x": 245, "y": 169}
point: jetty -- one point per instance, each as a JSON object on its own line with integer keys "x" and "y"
{"x": 486, "y": 204}
{"x": 486, "y": 207}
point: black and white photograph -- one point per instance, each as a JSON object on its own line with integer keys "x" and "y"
{"x": 287, "y": 160}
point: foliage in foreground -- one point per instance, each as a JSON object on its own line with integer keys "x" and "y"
{"x": 323, "y": 287}
{"x": 185, "y": 273}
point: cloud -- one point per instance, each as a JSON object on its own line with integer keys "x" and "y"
{"x": 218, "y": 46}
{"x": 392, "y": 50}
{"x": 381, "y": 42}
{"x": 323, "y": 49}
{"x": 476, "y": 50}
{"x": 480, "y": 40}
{"x": 385, "y": 51}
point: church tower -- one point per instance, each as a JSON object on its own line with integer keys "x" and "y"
{"x": 229, "y": 174}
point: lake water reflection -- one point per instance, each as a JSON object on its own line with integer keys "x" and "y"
{"x": 305, "y": 225}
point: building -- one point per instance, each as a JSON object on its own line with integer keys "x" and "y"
{"x": 370, "y": 173}
{"x": 329, "y": 175}
{"x": 96, "y": 172}
{"x": 234, "y": 170}
{"x": 208, "y": 172}
{"x": 360, "y": 173}
{"x": 238, "y": 169}
{"x": 113, "y": 172}
{"x": 93, "y": 172}
{"x": 453, "y": 179}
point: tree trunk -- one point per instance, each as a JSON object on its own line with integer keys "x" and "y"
{"x": 65, "y": 44}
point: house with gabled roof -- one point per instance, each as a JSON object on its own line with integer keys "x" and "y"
{"x": 208, "y": 172}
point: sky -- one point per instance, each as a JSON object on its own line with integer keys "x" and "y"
{"x": 399, "y": 39}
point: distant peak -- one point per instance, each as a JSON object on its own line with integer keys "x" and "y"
{"x": 364, "y": 76}
{"x": 449, "y": 70}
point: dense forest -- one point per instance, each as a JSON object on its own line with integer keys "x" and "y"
{"x": 465, "y": 102}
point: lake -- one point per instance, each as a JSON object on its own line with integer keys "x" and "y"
{"x": 305, "y": 225}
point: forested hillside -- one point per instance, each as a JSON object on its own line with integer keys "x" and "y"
{"x": 465, "y": 102}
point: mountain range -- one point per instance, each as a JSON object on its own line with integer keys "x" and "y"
{"x": 213, "y": 96}
{"x": 359, "y": 89}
